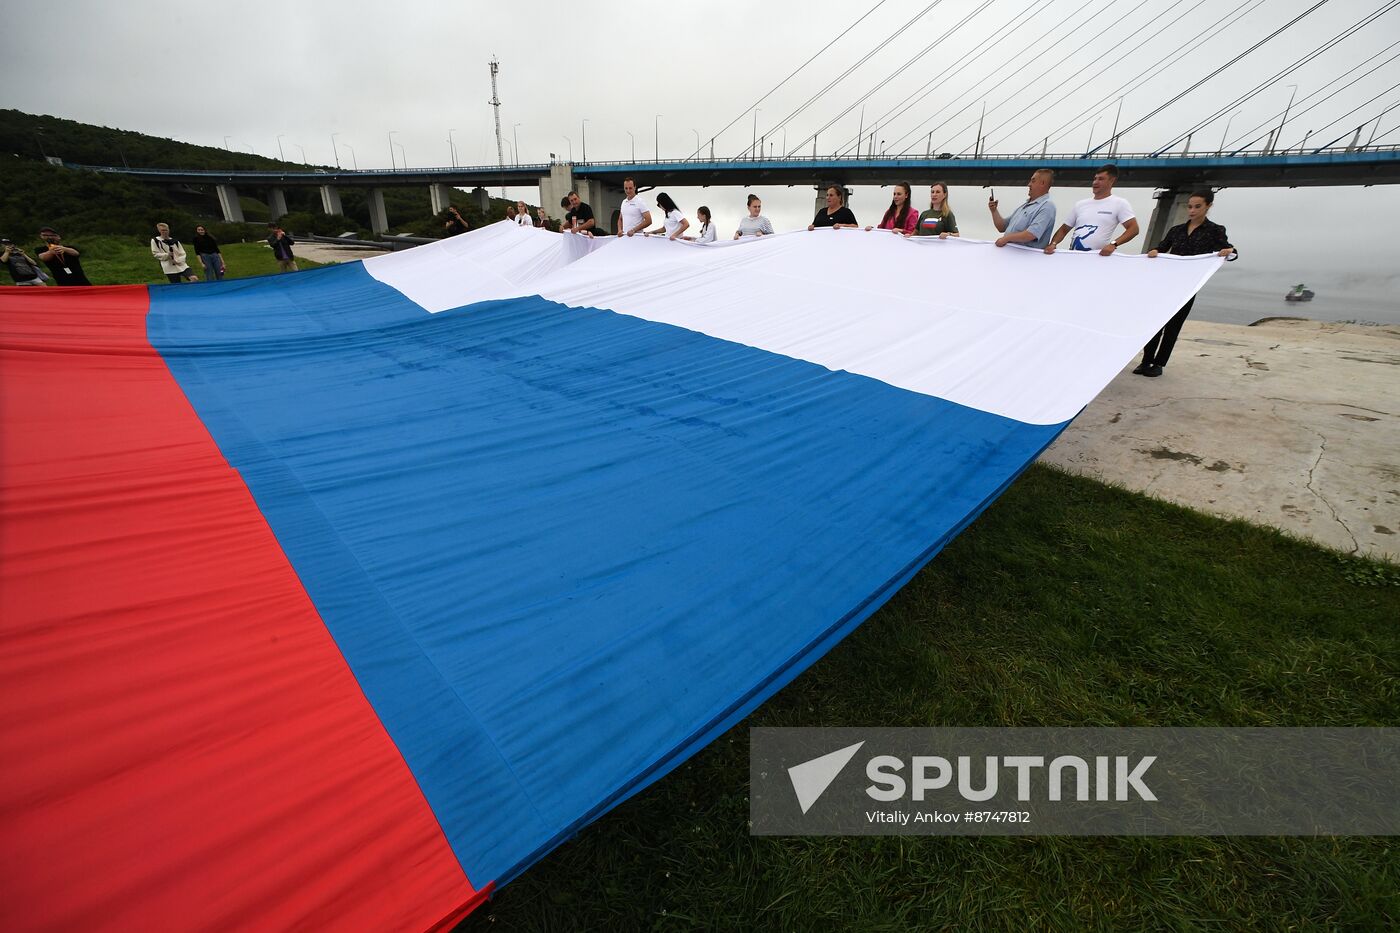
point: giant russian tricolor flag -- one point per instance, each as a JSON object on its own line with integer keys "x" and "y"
{"x": 341, "y": 598}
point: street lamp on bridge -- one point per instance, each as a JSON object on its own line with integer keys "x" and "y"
{"x": 516, "y": 148}
{"x": 634, "y": 146}
{"x": 1284, "y": 121}
{"x": 656, "y": 137}
{"x": 392, "y": 163}
{"x": 334, "y": 150}
{"x": 354, "y": 158}
{"x": 452, "y": 147}
{"x": 1227, "y": 132}
{"x": 280, "y": 156}
{"x": 571, "y": 147}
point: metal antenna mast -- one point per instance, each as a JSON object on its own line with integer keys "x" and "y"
{"x": 495, "y": 102}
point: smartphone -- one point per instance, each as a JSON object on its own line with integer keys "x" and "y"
{"x": 994, "y": 195}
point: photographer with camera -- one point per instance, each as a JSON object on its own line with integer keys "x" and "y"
{"x": 171, "y": 254}
{"x": 63, "y": 261}
{"x": 456, "y": 223}
{"x": 23, "y": 270}
{"x": 281, "y": 243}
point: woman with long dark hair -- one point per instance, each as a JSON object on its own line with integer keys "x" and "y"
{"x": 1197, "y": 237}
{"x": 900, "y": 216}
{"x": 673, "y": 222}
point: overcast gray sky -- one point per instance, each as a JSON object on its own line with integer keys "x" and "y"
{"x": 254, "y": 70}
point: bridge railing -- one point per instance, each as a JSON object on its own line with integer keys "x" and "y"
{"x": 539, "y": 169}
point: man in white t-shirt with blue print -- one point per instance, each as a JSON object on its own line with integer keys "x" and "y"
{"x": 1093, "y": 221}
{"x": 636, "y": 213}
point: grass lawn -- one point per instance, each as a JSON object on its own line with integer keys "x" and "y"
{"x": 120, "y": 260}
{"x": 1067, "y": 603}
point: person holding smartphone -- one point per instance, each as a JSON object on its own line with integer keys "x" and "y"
{"x": 23, "y": 270}
{"x": 1033, "y": 222}
{"x": 281, "y": 245}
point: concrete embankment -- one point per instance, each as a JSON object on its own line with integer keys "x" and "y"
{"x": 1289, "y": 423}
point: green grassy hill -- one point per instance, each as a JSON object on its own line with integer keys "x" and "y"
{"x": 84, "y": 204}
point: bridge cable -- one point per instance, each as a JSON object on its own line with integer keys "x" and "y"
{"x": 1145, "y": 75}
{"x": 1010, "y": 60}
{"x": 1024, "y": 17}
{"x": 1347, "y": 114}
{"x": 1155, "y": 17}
{"x": 1262, "y": 85}
{"x": 1268, "y": 121}
{"x": 1051, "y": 67}
{"x": 879, "y": 47}
{"x": 887, "y": 79}
{"x": 1316, "y": 51}
{"x": 745, "y": 112}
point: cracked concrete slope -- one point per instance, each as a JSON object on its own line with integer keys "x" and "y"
{"x": 1289, "y": 423}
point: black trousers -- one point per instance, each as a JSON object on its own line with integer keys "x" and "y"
{"x": 1159, "y": 348}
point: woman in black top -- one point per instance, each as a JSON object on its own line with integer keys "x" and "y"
{"x": 836, "y": 214}
{"x": 1197, "y": 237}
{"x": 207, "y": 249}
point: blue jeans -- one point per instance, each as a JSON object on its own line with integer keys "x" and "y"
{"x": 213, "y": 265}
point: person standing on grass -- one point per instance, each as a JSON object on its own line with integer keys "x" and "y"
{"x": 1094, "y": 220}
{"x": 1032, "y": 223}
{"x": 1197, "y": 237}
{"x": 207, "y": 249}
{"x": 63, "y": 261}
{"x": 938, "y": 220}
{"x": 636, "y": 212}
{"x": 281, "y": 243}
{"x": 23, "y": 270}
{"x": 171, "y": 253}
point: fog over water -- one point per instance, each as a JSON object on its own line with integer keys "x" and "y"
{"x": 1333, "y": 239}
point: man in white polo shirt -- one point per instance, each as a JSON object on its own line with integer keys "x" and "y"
{"x": 636, "y": 213}
{"x": 1093, "y": 221}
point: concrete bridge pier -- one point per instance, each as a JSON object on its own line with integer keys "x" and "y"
{"x": 330, "y": 200}
{"x": 1170, "y": 211}
{"x": 378, "y": 217}
{"x": 276, "y": 203}
{"x": 440, "y": 197}
{"x": 229, "y": 204}
{"x": 483, "y": 199}
{"x": 554, "y": 186}
{"x": 604, "y": 198}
